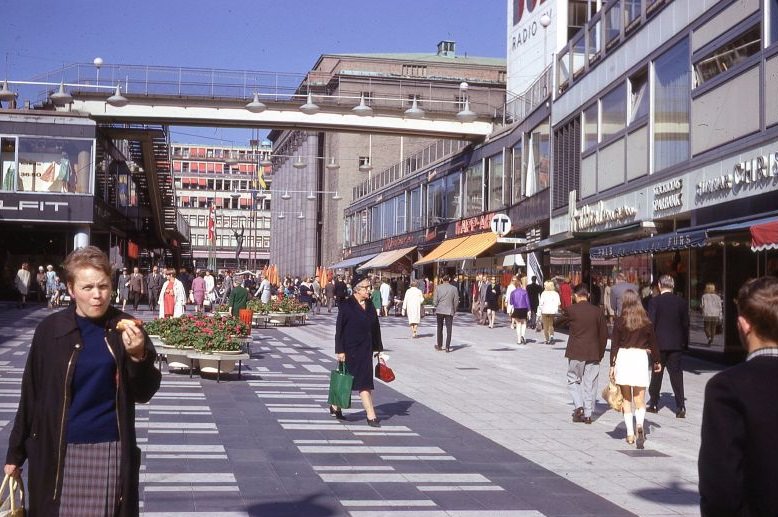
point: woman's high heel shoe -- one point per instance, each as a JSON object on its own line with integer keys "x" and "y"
{"x": 641, "y": 439}
{"x": 374, "y": 422}
{"x": 337, "y": 413}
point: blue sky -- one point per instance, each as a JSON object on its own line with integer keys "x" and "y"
{"x": 278, "y": 36}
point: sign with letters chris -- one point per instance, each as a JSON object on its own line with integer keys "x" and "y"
{"x": 46, "y": 208}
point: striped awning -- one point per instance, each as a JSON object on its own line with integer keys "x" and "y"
{"x": 385, "y": 259}
{"x": 351, "y": 262}
{"x": 462, "y": 248}
{"x": 443, "y": 248}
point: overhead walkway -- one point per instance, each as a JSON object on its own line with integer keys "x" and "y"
{"x": 200, "y": 97}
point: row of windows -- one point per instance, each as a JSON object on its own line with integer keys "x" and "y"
{"x": 483, "y": 186}
{"x": 228, "y": 240}
{"x": 245, "y": 155}
{"x": 201, "y": 221}
{"x": 231, "y": 185}
{"x": 216, "y": 167}
{"x": 244, "y": 203}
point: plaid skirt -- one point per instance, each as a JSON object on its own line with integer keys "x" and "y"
{"x": 90, "y": 483}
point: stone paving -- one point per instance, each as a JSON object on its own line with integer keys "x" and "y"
{"x": 482, "y": 431}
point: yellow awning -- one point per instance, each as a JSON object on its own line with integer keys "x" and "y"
{"x": 385, "y": 259}
{"x": 443, "y": 248}
{"x": 471, "y": 248}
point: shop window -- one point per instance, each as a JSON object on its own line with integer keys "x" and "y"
{"x": 613, "y": 111}
{"x": 517, "y": 189}
{"x": 474, "y": 190}
{"x": 54, "y": 165}
{"x": 671, "y": 106}
{"x": 567, "y": 162}
{"x": 496, "y": 182}
{"x": 8, "y": 164}
{"x": 728, "y": 55}
{"x": 590, "y": 127}
{"x": 638, "y": 96}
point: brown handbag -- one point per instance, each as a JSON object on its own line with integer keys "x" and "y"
{"x": 383, "y": 372}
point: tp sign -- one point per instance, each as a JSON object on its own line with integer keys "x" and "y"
{"x": 500, "y": 224}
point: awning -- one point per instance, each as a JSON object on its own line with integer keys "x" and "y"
{"x": 656, "y": 244}
{"x": 385, "y": 259}
{"x": 443, "y": 248}
{"x": 513, "y": 260}
{"x": 471, "y": 248}
{"x": 351, "y": 262}
{"x": 765, "y": 236}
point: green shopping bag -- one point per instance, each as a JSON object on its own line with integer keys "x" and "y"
{"x": 340, "y": 387}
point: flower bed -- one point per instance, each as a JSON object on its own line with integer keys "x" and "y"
{"x": 286, "y": 306}
{"x": 203, "y": 333}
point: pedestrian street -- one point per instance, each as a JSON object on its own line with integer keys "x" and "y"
{"x": 482, "y": 431}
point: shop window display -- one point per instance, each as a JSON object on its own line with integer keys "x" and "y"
{"x": 54, "y": 165}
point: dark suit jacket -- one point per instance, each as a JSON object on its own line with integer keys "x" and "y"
{"x": 738, "y": 461}
{"x": 588, "y": 332}
{"x": 670, "y": 315}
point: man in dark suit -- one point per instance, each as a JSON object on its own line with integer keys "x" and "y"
{"x": 154, "y": 283}
{"x": 670, "y": 315}
{"x": 341, "y": 291}
{"x": 585, "y": 348}
{"x": 446, "y": 300}
{"x": 738, "y": 460}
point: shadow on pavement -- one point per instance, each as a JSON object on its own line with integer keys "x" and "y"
{"x": 398, "y": 408}
{"x": 307, "y": 507}
{"x": 674, "y": 494}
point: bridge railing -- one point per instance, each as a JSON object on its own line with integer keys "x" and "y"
{"x": 341, "y": 89}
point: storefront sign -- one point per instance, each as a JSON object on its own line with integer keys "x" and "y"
{"x": 668, "y": 195}
{"x": 478, "y": 223}
{"x": 402, "y": 241}
{"x": 758, "y": 171}
{"x": 46, "y": 208}
{"x": 590, "y": 216}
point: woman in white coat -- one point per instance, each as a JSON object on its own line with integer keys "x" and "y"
{"x": 412, "y": 302}
{"x": 172, "y": 297}
{"x": 548, "y": 308}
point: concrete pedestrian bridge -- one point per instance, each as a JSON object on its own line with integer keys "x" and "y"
{"x": 316, "y": 100}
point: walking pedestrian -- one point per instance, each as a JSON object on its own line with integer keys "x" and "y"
{"x": 123, "y": 287}
{"x": 508, "y": 306}
{"x": 445, "y": 298}
{"x": 154, "y": 286}
{"x": 316, "y": 285}
{"x": 238, "y": 299}
{"x": 533, "y": 292}
{"x": 50, "y": 283}
{"x": 617, "y": 292}
{"x": 607, "y": 300}
{"x": 548, "y": 307}
{"x": 264, "y": 290}
{"x": 227, "y": 285}
{"x": 40, "y": 279}
{"x": 78, "y": 436}
{"x": 520, "y": 304}
{"x": 210, "y": 290}
{"x": 136, "y": 287}
{"x": 475, "y": 297}
{"x": 341, "y": 290}
{"x": 375, "y": 297}
{"x": 412, "y": 302}
{"x": 492, "y": 300}
{"x": 22, "y": 284}
{"x": 329, "y": 294}
{"x": 585, "y": 349}
{"x": 386, "y": 297}
{"x": 483, "y": 287}
{"x": 632, "y": 340}
{"x": 198, "y": 292}
{"x": 357, "y": 337}
{"x": 172, "y": 297}
{"x": 670, "y": 315}
{"x": 712, "y": 311}
{"x": 738, "y": 460}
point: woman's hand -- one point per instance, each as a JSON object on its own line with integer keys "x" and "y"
{"x": 341, "y": 357}
{"x": 657, "y": 367}
{"x": 12, "y": 470}
{"x": 612, "y": 373}
{"x": 134, "y": 342}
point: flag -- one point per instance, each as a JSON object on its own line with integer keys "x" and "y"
{"x": 261, "y": 177}
{"x": 212, "y": 224}
{"x": 531, "y": 184}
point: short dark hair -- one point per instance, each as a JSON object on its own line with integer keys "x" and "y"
{"x": 582, "y": 292}
{"x": 446, "y": 278}
{"x": 757, "y": 302}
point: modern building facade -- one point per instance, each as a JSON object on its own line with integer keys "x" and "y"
{"x": 337, "y": 163}
{"x": 225, "y": 180}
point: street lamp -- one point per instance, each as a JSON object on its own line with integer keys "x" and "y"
{"x": 545, "y": 21}
{"x": 98, "y": 62}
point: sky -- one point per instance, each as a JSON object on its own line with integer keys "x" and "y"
{"x": 262, "y": 35}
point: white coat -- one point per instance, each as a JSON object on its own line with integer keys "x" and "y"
{"x": 180, "y": 294}
{"x": 412, "y": 305}
{"x": 508, "y": 291}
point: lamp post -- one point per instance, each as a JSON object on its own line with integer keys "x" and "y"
{"x": 98, "y": 62}
{"x": 545, "y": 21}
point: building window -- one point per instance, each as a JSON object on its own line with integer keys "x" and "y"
{"x": 453, "y": 196}
{"x": 638, "y": 96}
{"x": 631, "y": 14}
{"x": 517, "y": 189}
{"x": 728, "y": 55}
{"x": 400, "y": 203}
{"x": 578, "y": 13}
{"x": 414, "y": 71}
{"x": 614, "y": 112}
{"x": 539, "y": 158}
{"x": 590, "y": 134}
{"x": 55, "y": 165}
{"x": 773, "y": 21}
{"x": 436, "y": 201}
{"x": 567, "y": 162}
{"x": 368, "y": 96}
{"x": 413, "y": 97}
{"x": 10, "y": 180}
{"x": 671, "y": 106}
{"x": 184, "y": 166}
{"x": 612, "y": 19}
{"x": 496, "y": 183}
{"x": 474, "y": 189}
{"x": 415, "y": 210}
{"x": 375, "y": 223}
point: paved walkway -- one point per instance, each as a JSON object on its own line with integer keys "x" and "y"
{"x": 483, "y": 431}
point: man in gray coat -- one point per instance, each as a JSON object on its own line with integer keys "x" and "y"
{"x": 617, "y": 292}
{"x": 446, "y": 300}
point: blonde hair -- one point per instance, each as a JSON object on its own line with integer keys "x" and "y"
{"x": 83, "y": 258}
{"x": 548, "y": 285}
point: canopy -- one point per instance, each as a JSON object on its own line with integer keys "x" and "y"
{"x": 656, "y": 244}
{"x": 462, "y": 248}
{"x": 513, "y": 260}
{"x": 764, "y": 236}
{"x": 353, "y": 261}
{"x": 385, "y": 259}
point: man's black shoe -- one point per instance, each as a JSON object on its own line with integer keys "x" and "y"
{"x": 578, "y": 415}
{"x": 681, "y": 413}
{"x": 587, "y": 420}
{"x": 652, "y": 408}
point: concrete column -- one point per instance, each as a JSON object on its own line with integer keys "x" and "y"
{"x": 84, "y": 171}
{"x": 81, "y": 238}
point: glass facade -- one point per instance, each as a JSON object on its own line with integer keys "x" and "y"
{"x": 436, "y": 201}
{"x": 614, "y": 116}
{"x": 541, "y": 153}
{"x": 453, "y": 196}
{"x": 672, "y": 106}
{"x": 590, "y": 127}
{"x": 496, "y": 183}
{"x": 474, "y": 190}
{"x": 516, "y": 174}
